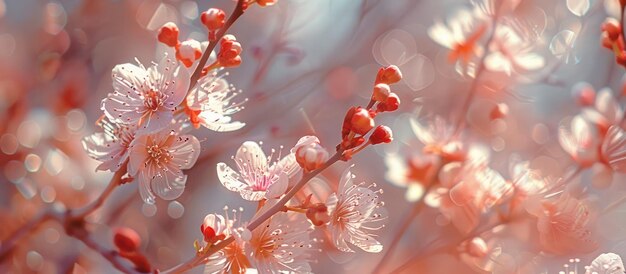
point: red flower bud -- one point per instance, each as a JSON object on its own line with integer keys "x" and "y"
{"x": 382, "y": 134}
{"x": 318, "y": 214}
{"x": 391, "y": 104}
{"x": 361, "y": 121}
{"x": 381, "y": 92}
{"x": 126, "y": 239}
{"x": 499, "y": 111}
{"x": 345, "y": 128}
{"x": 168, "y": 34}
{"x": 389, "y": 75}
{"x": 213, "y": 18}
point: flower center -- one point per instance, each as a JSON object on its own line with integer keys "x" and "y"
{"x": 158, "y": 154}
{"x": 153, "y": 100}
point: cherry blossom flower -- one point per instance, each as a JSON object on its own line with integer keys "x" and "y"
{"x": 438, "y": 138}
{"x": 414, "y": 174}
{"x": 460, "y": 35}
{"x": 475, "y": 190}
{"x": 563, "y": 225}
{"x": 309, "y": 153}
{"x": 110, "y": 146}
{"x": 355, "y": 212}
{"x": 232, "y": 258}
{"x": 209, "y": 105}
{"x": 281, "y": 245}
{"x": 144, "y": 97}
{"x": 580, "y": 142}
{"x": 606, "y": 263}
{"x": 257, "y": 178}
{"x": 157, "y": 160}
{"x": 606, "y": 111}
{"x": 614, "y": 149}
{"x": 509, "y": 52}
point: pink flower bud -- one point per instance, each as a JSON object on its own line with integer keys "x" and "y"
{"x": 229, "y": 51}
{"x": 499, "y": 111}
{"x": 168, "y": 34}
{"x": 309, "y": 153}
{"x": 126, "y": 239}
{"x": 188, "y": 52}
{"x": 391, "y": 104}
{"x": 318, "y": 214}
{"x": 477, "y": 247}
{"x": 361, "y": 121}
{"x": 213, "y": 18}
{"x": 584, "y": 94}
{"x": 381, "y": 92}
{"x": 213, "y": 227}
{"x": 382, "y": 134}
{"x": 389, "y": 75}
{"x": 266, "y": 3}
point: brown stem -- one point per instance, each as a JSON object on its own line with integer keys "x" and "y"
{"x": 82, "y": 212}
{"x": 212, "y": 44}
{"x": 460, "y": 123}
{"x": 199, "y": 258}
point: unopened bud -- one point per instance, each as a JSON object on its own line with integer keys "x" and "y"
{"x": 168, "y": 34}
{"x": 188, "y": 52}
{"x": 499, "y": 111}
{"x": 318, "y": 214}
{"x": 266, "y": 3}
{"x": 126, "y": 239}
{"x": 213, "y": 19}
{"x": 612, "y": 28}
{"x": 391, "y": 104}
{"x": 310, "y": 155}
{"x": 213, "y": 227}
{"x": 382, "y": 134}
{"x": 584, "y": 94}
{"x": 389, "y": 75}
{"x": 381, "y": 92}
{"x": 361, "y": 121}
{"x": 477, "y": 247}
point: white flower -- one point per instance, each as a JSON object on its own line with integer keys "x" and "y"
{"x": 110, "y": 146}
{"x": 606, "y": 263}
{"x": 144, "y": 97}
{"x": 510, "y": 51}
{"x": 232, "y": 258}
{"x": 281, "y": 245}
{"x": 580, "y": 142}
{"x": 210, "y": 104}
{"x": 606, "y": 112}
{"x": 614, "y": 148}
{"x": 156, "y": 162}
{"x": 460, "y": 35}
{"x": 355, "y": 212}
{"x": 256, "y": 179}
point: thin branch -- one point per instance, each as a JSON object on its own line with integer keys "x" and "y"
{"x": 200, "y": 258}
{"x": 239, "y": 10}
{"x": 109, "y": 255}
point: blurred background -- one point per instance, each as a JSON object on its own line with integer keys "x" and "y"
{"x": 305, "y": 62}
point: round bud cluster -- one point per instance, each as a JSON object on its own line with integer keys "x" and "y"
{"x": 359, "y": 121}
{"x": 214, "y": 19}
{"x": 613, "y": 39}
{"x": 230, "y": 50}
